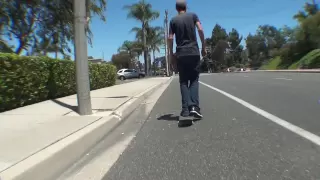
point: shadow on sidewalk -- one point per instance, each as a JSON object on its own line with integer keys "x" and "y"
{"x": 73, "y": 108}
{"x": 117, "y": 97}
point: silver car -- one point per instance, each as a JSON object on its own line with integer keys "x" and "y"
{"x": 128, "y": 74}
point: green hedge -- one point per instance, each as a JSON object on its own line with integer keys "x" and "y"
{"x": 26, "y": 80}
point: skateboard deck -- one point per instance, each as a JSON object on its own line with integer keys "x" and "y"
{"x": 185, "y": 121}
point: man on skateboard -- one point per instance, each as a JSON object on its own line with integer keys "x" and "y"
{"x": 187, "y": 56}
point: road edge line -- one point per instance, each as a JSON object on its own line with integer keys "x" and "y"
{"x": 293, "y": 128}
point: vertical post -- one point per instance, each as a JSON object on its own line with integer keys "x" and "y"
{"x": 166, "y": 42}
{"x": 145, "y": 50}
{"x": 81, "y": 58}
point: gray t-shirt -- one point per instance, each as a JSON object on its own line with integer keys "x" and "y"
{"x": 184, "y": 28}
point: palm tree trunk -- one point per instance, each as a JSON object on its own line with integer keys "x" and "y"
{"x": 154, "y": 62}
{"x": 130, "y": 61}
{"x": 139, "y": 63}
{"x": 145, "y": 49}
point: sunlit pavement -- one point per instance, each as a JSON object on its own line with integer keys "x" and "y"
{"x": 232, "y": 141}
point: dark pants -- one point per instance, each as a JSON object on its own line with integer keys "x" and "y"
{"x": 189, "y": 69}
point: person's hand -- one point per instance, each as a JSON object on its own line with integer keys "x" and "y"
{"x": 173, "y": 60}
{"x": 203, "y": 52}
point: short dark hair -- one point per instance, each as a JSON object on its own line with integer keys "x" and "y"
{"x": 181, "y": 6}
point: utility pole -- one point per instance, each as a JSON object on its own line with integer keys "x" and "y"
{"x": 166, "y": 41}
{"x": 81, "y": 58}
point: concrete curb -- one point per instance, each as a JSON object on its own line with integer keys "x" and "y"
{"x": 52, "y": 161}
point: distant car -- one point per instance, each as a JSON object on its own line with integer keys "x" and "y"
{"x": 124, "y": 74}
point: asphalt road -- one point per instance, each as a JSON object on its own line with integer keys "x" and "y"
{"x": 232, "y": 141}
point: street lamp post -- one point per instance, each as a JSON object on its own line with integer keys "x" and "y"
{"x": 81, "y": 58}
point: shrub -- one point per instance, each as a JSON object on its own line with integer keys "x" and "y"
{"x": 26, "y": 80}
{"x": 62, "y": 80}
{"x": 238, "y": 65}
{"x": 310, "y": 60}
{"x": 272, "y": 64}
{"x": 102, "y": 75}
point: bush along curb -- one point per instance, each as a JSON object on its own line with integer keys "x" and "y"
{"x": 26, "y": 80}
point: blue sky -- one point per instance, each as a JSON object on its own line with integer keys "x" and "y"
{"x": 244, "y": 15}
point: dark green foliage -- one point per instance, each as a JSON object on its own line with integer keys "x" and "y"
{"x": 311, "y": 60}
{"x": 26, "y": 80}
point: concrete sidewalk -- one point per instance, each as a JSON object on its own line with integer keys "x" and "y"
{"x": 32, "y": 136}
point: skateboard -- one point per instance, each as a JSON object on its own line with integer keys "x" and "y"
{"x": 185, "y": 121}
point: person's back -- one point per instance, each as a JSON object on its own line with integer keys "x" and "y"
{"x": 184, "y": 27}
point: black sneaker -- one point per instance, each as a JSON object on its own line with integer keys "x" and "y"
{"x": 185, "y": 113}
{"x": 195, "y": 111}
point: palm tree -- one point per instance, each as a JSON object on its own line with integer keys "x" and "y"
{"x": 155, "y": 38}
{"x": 143, "y": 12}
{"x": 138, "y": 52}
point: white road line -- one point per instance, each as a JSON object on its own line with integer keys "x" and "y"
{"x": 306, "y": 134}
{"x": 283, "y": 79}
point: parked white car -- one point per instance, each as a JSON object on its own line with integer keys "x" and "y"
{"x": 124, "y": 74}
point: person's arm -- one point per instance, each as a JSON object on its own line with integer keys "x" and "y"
{"x": 200, "y": 29}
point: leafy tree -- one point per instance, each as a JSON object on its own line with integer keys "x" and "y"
{"x": 256, "y": 47}
{"x": 234, "y": 39}
{"x": 273, "y": 37}
{"x": 131, "y": 47}
{"x": 143, "y": 12}
{"x": 311, "y": 30}
{"x": 219, "y": 43}
{"x": 121, "y": 60}
{"x": 218, "y": 34}
{"x": 289, "y": 34}
{"x": 42, "y": 27}
{"x": 290, "y": 43}
{"x": 309, "y": 10}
